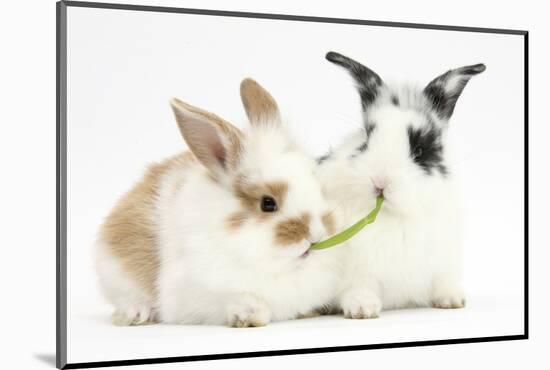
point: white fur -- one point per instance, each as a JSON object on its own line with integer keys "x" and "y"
{"x": 210, "y": 274}
{"x": 411, "y": 254}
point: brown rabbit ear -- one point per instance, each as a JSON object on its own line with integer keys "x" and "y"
{"x": 259, "y": 105}
{"x": 216, "y": 143}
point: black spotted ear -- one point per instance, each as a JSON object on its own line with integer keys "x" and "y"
{"x": 368, "y": 82}
{"x": 443, "y": 91}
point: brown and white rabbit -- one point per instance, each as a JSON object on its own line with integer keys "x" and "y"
{"x": 221, "y": 234}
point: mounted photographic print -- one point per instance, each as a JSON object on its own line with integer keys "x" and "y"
{"x": 239, "y": 184}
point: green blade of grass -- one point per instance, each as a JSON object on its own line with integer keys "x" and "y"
{"x": 352, "y": 230}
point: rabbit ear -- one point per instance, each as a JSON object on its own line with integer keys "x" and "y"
{"x": 368, "y": 82}
{"x": 259, "y": 105}
{"x": 443, "y": 91}
{"x": 216, "y": 143}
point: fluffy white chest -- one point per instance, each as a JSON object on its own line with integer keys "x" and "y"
{"x": 399, "y": 259}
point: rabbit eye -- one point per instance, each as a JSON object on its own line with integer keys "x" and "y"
{"x": 417, "y": 153}
{"x": 268, "y": 204}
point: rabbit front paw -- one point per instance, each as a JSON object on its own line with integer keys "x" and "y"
{"x": 131, "y": 316}
{"x": 248, "y": 310}
{"x": 449, "y": 301}
{"x": 447, "y": 294}
{"x": 361, "y": 304}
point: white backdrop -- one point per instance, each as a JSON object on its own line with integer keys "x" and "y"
{"x": 123, "y": 66}
{"x": 28, "y": 161}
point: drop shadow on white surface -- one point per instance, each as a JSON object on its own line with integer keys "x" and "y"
{"x": 46, "y": 358}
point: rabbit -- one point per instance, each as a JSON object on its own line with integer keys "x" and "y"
{"x": 411, "y": 256}
{"x": 220, "y": 235}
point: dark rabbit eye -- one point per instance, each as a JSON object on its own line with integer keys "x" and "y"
{"x": 268, "y": 204}
{"x": 417, "y": 153}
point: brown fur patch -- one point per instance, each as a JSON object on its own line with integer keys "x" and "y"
{"x": 329, "y": 222}
{"x": 259, "y": 105}
{"x": 129, "y": 229}
{"x": 236, "y": 220}
{"x": 278, "y": 190}
{"x": 250, "y": 194}
{"x": 292, "y": 230}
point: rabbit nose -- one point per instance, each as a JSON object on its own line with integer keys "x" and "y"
{"x": 379, "y": 184}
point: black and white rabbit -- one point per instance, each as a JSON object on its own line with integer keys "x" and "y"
{"x": 411, "y": 255}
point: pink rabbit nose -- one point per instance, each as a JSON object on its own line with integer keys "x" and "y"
{"x": 379, "y": 185}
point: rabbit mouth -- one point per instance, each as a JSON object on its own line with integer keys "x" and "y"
{"x": 305, "y": 254}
